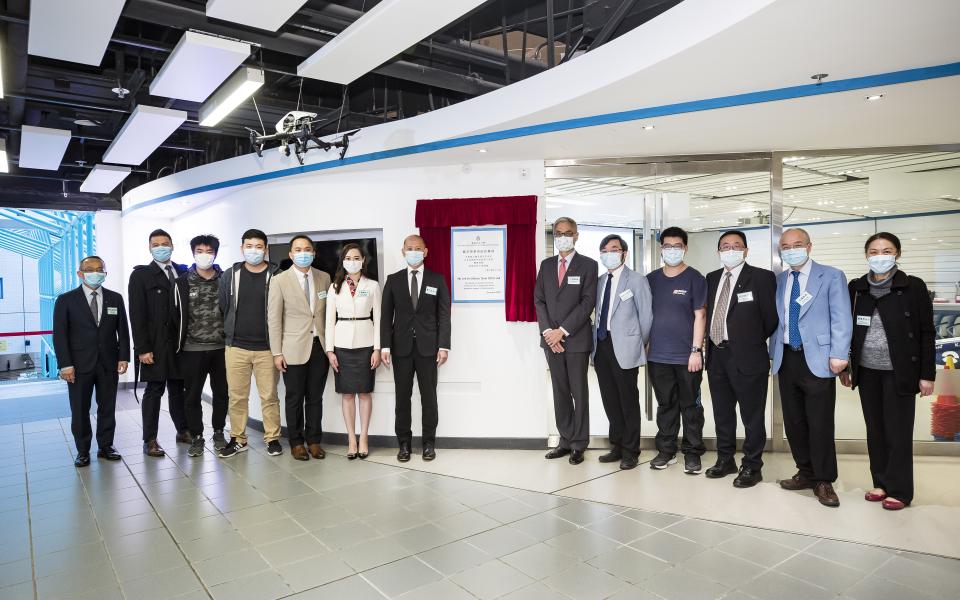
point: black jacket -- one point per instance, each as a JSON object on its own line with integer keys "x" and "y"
{"x": 749, "y": 323}
{"x": 151, "y": 298}
{"x": 429, "y": 324}
{"x": 229, "y": 291}
{"x": 907, "y": 317}
{"x": 568, "y": 305}
{"x": 79, "y": 342}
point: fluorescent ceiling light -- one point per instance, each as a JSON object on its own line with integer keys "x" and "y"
{"x": 236, "y": 90}
{"x": 146, "y": 129}
{"x": 647, "y": 127}
{"x": 4, "y": 167}
{"x": 262, "y": 15}
{"x": 381, "y": 33}
{"x": 197, "y": 66}
{"x": 103, "y": 178}
{"x": 42, "y": 148}
{"x": 72, "y": 30}
{"x": 874, "y": 97}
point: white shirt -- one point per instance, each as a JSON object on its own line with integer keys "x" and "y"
{"x": 804, "y": 276}
{"x": 734, "y": 275}
{"x": 568, "y": 258}
{"x": 89, "y": 294}
{"x": 419, "y": 271}
{"x": 311, "y": 292}
{"x": 615, "y": 275}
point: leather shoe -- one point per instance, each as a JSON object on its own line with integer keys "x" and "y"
{"x": 873, "y": 497}
{"x": 576, "y": 457}
{"x": 298, "y": 452}
{"x": 317, "y": 451}
{"x": 152, "y": 448}
{"x": 893, "y": 504}
{"x": 797, "y": 482}
{"x": 184, "y": 437}
{"x": 825, "y": 494}
{"x": 723, "y": 468}
{"x": 747, "y": 477}
{"x": 82, "y": 460}
{"x": 557, "y": 452}
{"x": 612, "y": 456}
{"x": 109, "y": 453}
{"x": 404, "y": 454}
{"x": 429, "y": 452}
{"x": 628, "y": 462}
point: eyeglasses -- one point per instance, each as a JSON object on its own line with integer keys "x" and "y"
{"x": 568, "y": 234}
{"x": 726, "y": 247}
{"x": 94, "y": 271}
{"x": 672, "y": 246}
{"x": 796, "y": 246}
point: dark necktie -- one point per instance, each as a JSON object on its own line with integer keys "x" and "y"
{"x": 173, "y": 280}
{"x": 95, "y": 308}
{"x": 414, "y": 290}
{"x": 306, "y": 288}
{"x": 604, "y": 310}
{"x": 794, "y": 316}
{"x": 718, "y": 326}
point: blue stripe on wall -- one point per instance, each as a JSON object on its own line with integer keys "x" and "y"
{"x": 775, "y": 95}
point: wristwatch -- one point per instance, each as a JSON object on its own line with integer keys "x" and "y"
{"x": 696, "y": 349}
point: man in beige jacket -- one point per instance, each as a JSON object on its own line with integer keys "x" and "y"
{"x": 296, "y": 310}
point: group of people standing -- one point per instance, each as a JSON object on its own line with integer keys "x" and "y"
{"x": 253, "y": 322}
{"x": 807, "y": 324}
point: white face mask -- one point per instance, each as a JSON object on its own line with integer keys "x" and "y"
{"x": 563, "y": 243}
{"x": 672, "y": 256}
{"x": 352, "y": 266}
{"x": 611, "y": 260}
{"x": 881, "y": 263}
{"x": 204, "y": 261}
{"x": 731, "y": 258}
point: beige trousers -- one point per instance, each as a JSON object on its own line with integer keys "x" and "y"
{"x": 241, "y": 364}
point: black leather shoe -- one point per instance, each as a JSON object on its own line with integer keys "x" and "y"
{"x": 576, "y": 457}
{"x": 747, "y": 478}
{"x": 557, "y": 452}
{"x": 429, "y": 453}
{"x": 404, "y": 454}
{"x": 723, "y": 468}
{"x": 82, "y": 460}
{"x": 628, "y": 462}
{"x": 108, "y": 453}
{"x": 612, "y": 456}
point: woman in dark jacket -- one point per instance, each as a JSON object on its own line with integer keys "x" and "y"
{"x": 892, "y": 358}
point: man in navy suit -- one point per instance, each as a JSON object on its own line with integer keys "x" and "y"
{"x": 92, "y": 345}
{"x": 809, "y": 349}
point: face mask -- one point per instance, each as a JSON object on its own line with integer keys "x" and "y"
{"x": 731, "y": 258}
{"x": 672, "y": 256}
{"x": 610, "y": 260}
{"x": 794, "y": 256}
{"x": 563, "y": 243}
{"x": 204, "y": 261}
{"x": 413, "y": 257}
{"x": 352, "y": 266}
{"x": 161, "y": 253}
{"x": 253, "y": 256}
{"x": 882, "y": 263}
{"x": 93, "y": 279}
{"x": 303, "y": 259}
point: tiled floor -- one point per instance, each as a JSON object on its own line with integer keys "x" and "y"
{"x": 265, "y": 527}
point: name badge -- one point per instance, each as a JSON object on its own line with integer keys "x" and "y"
{"x": 745, "y": 297}
{"x": 573, "y": 280}
{"x": 431, "y": 291}
{"x": 321, "y": 295}
{"x": 679, "y": 292}
{"x": 804, "y": 298}
{"x": 863, "y": 320}
{"x": 626, "y": 295}
{"x": 363, "y": 293}
{"x": 111, "y": 310}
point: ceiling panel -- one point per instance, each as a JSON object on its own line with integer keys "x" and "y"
{"x": 43, "y": 148}
{"x": 72, "y": 30}
{"x": 197, "y": 66}
{"x": 146, "y": 129}
{"x": 104, "y": 178}
{"x": 262, "y": 15}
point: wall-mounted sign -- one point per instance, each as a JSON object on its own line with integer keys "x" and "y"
{"x": 478, "y": 263}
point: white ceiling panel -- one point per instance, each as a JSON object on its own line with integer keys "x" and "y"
{"x": 103, "y": 178}
{"x": 385, "y": 31}
{"x": 146, "y": 129}
{"x": 197, "y": 66}
{"x": 42, "y": 148}
{"x": 253, "y": 13}
{"x": 72, "y": 30}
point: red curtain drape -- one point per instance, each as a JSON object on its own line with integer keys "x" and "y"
{"x": 434, "y": 218}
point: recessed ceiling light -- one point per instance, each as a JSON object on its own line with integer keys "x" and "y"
{"x": 85, "y": 123}
{"x": 874, "y": 97}
{"x": 482, "y": 150}
{"x": 647, "y": 127}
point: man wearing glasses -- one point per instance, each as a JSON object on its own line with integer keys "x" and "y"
{"x": 742, "y": 314}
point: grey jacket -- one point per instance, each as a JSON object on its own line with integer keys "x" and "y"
{"x": 229, "y": 290}
{"x": 631, "y": 317}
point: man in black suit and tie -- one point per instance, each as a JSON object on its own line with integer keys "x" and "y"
{"x": 415, "y": 338}
{"x": 742, "y": 314}
{"x": 565, "y": 295}
{"x": 92, "y": 345}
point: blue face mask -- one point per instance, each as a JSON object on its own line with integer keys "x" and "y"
{"x": 161, "y": 253}
{"x": 303, "y": 259}
{"x": 93, "y": 279}
{"x": 610, "y": 260}
{"x": 794, "y": 256}
{"x": 253, "y": 256}
{"x": 672, "y": 256}
{"x": 881, "y": 263}
{"x": 413, "y": 257}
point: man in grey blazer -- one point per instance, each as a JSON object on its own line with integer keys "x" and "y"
{"x": 624, "y": 318}
{"x": 564, "y": 296}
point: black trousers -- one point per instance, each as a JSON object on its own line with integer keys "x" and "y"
{"x": 196, "y": 366}
{"x": 678, "y": 399}
{"x": 104, "y": 379}
{"x": 621, "y": 399}
{"x": 889, "y": 417}
{"x": 571, "y": 397}
{"x": 729, "y": 388}
{"x": 425, "y": 368}
{"x": 150, "y": 407}
{"x": 808, "y": 405}
{"x": 304, "y": 397}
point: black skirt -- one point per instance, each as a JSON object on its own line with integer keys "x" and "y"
{"x": 355, "y": 375}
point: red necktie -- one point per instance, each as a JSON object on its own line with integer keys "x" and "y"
{"x": 562, "y": 271}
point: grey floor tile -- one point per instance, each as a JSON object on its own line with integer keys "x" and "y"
{"x": 582, "y": 544}
{"x": 583, "y": 582}
{"x": 255, "y": 514}
{"x": 784, "y": 538}
{"x": 328, "y": 516}
{"x": 823, "y": 573}
{"x": 228, "y": 566}
{"x": 20, "y": 591}
{"x": 314, "y": 572}
{"x": 69, "y": 560}
{"x": 680, "y": 584}
{"x": 402, "y": 576}
{"x": 583, "y": 513}
{"x": 134, "y": 566}
{"x": 93, "y": 577}
{"x": 621, "y": 529}
{"x": 186, "y": 531}
{"x": 423, "y": 538}
{"x": 500, "y": 541}
{"x": 214, "y": 545}
{"x": 373, "y": 553}
{"x": 437, "y": 507}
{"x": 544, "y": 526}
{"x": 783, "y": 587}
{"x": 629, "y": 564}
{"x": 347, "y": 535}
{"x": 455, "y": 557}
{"x": 539, "y": 561}
{"x": 292, "y": 549}
{"x": 271, "y": 531}
{"x": 668, "y": 547}
{"x": 258, "y": 586}
{"x": 445, "y": 589}
{"x": 537, "y": 591}
{"x": 704, "y": 533}
{"x": 755, "y": 550}
{"x": 465, "y": 524}
{"x": 491, "y": 580}
{"x": 876, "y": 588}
{"x": 723, "y": 568}
{"x": 856, "y": 556}
{"x": 354, "y": 588}
{"x": 921, "y": 576}
{"x": 16, "y": 572}
{"x": 634, "y": 593}
{"x": 508, "y": 510}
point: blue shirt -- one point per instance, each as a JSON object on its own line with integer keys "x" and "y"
{"x": 674, "y": 301}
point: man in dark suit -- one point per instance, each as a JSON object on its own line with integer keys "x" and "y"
{"x": 564, "y": 296}
{"x": 92, "y": 345}
{"x": 741, "y": 315}
{"x": 150, "y": 292}
{"x": 415, "y": 339}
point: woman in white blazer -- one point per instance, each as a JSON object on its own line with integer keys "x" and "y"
{"x": 353, "y": 342}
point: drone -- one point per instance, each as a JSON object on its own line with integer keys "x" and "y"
{"x": 296, "y": 128}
